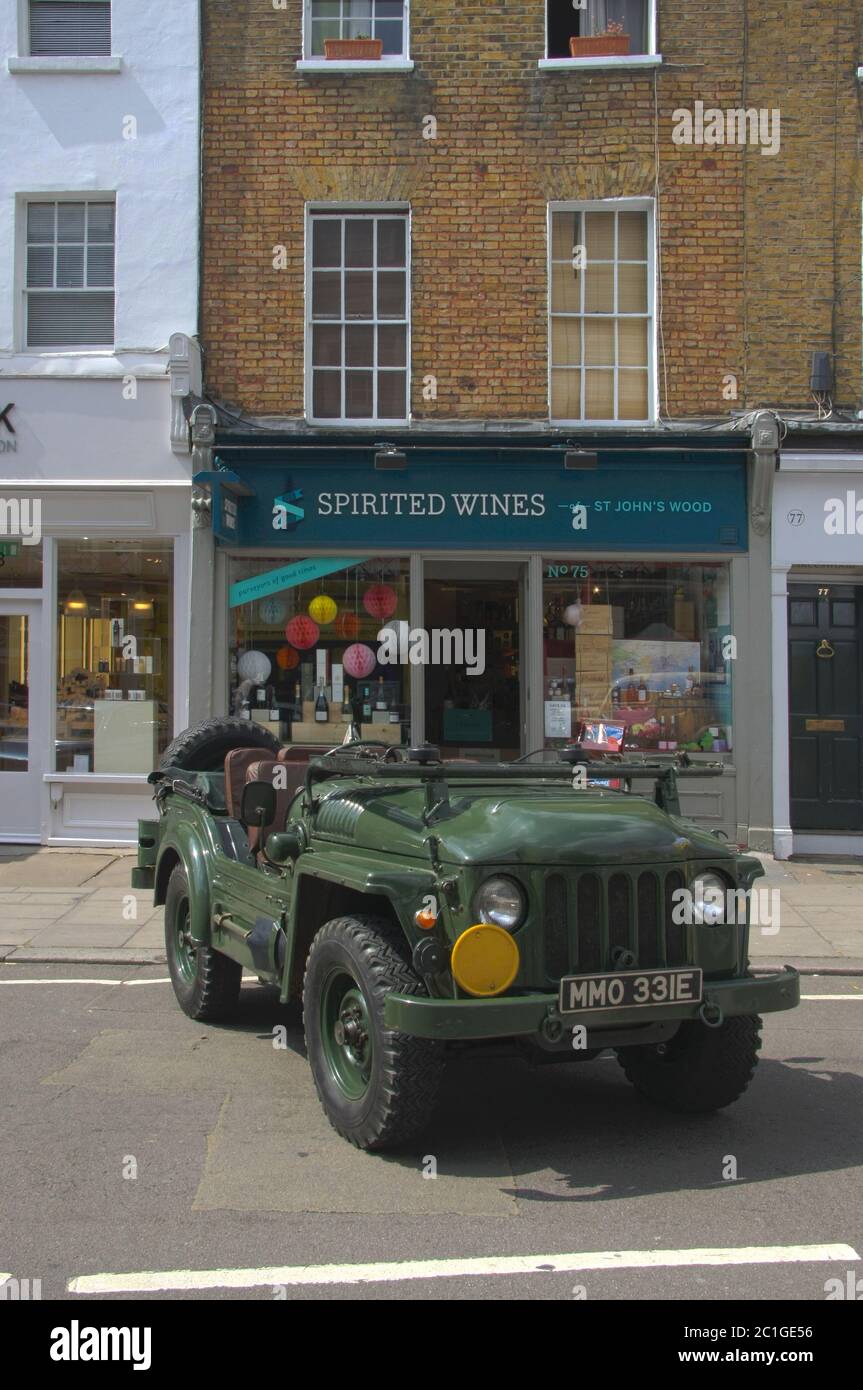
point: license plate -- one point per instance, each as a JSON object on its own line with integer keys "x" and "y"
{"x": 639, "y": 989}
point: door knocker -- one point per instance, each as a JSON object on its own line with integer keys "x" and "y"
{"x": 824, "y": 649}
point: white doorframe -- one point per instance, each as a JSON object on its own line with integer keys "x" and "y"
{"x": 21, "y": 792}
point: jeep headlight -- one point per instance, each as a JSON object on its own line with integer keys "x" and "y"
{"x": 501, "y": 901}
{"x": 708, "y": 899}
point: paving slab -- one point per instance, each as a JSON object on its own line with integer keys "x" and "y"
{"x": 69, "y": 868}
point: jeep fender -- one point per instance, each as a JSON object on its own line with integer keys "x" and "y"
{"x": 181, "y": 845}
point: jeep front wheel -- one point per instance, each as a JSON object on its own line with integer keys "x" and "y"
{"x": 206, "y": 983}
{"x": 377, "y": 1087}
{"x": 700, "y": 1069}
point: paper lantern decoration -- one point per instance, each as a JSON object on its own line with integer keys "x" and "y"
{"x": 573, "y": 614}
{"x": 323, "y": 609}
{"x": 254, "y": 666}
{"x": 347, "y": 625}
{"x": 381, "y": 601}
{"x": 359, "y": 660}
{"x": 287, "y": 658}
{"x": 302, "y": 632}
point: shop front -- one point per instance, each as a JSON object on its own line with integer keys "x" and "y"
{"x": 496, "y": 603}
{"x": 817, "y": 567}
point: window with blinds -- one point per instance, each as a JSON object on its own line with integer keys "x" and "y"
{"x": 69, "y": 286}
{"x": 70, "y": 28}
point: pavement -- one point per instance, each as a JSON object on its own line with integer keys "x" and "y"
{"x": 76, "y": 905}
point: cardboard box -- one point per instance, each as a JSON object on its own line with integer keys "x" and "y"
{"x": 596, "y": 618}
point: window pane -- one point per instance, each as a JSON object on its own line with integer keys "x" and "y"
{"x": 632, "y": 395}
{"x": 358, "y": 241}
{"x": 61, "y": 319}
{"x": 358, "y": 294}
{"x": 70, "y": 221}
{"x": 321, "y": 30}
{"x": 70, "y": 267}
{"x": 564, "y": 235}
{"x": 40, "y": 221}
{"x": 599, "y": 342}
{"x": 599, "y": 236}
{"x": 40, "y": 266}
{"x": 565, "y": 342}
{"x": 632, "y": 342}
{"x": 326, "y": 345}
{"x": 100, "y": 221}
{"x": 326, "y": 294}
{"x": 391, "y": 35}
{"x": 599, "y": 395}
{"x": 358, "y": 395}
{"x": 100, "y": 265}
{"x": 388, "y": 9}
{"x": 391, "y": 295}
{"x": 632, "y": 236}
{"x": 565, "y": 289}
{"x": 69, "y": 27}
{"x": 566, "y": 395}
{"x": 113, "y": 711}
{"x": 326, "y": 395}
{"x": 632, "y": 289}
{"x": 599, "y": 289}
{"x": 14, "y": 693}
{"x": 391, "y": 242}
{"x": 359, "y": 345}
{"x": 392, "y": 345}
{"x": 326, "y": 242}
{"x": 391, "y": 395}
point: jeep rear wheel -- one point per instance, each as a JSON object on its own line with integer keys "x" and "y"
{"x": 206, "y": 983}
{"x": 700, "y": 1069}
{"x": 377, "y": 1087}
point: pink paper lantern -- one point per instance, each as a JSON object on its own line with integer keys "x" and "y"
{"x": 359, "y": 660}
{"x": 381, "y": 601}
{"x": 302, "y": 632}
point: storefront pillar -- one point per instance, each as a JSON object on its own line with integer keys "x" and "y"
{"x": 783, "y": 838}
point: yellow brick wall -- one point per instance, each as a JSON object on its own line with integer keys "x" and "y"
{"x": 761, "y": 256}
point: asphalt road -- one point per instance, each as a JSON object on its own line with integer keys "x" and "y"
{"x": 135, "y": 1142}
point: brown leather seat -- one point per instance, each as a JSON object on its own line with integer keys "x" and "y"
{"x": 287, "y": 783}
{"x": 237, "y": 763}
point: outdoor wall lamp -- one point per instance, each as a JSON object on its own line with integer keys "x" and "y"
{"x": 580, "y": 458}
{"x": 389, "y": 457}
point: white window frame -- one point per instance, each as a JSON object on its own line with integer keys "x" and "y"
{"x": 24, "y": 62}
{"x": 341, "y": 210}
{"x": 647, "y": 205}
{"x": 78, "y": 196}
{"x": 386, "y": 63}
{"x": 650, "y": 59}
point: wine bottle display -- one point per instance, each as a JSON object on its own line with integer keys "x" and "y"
{"x": 322, "y": 709}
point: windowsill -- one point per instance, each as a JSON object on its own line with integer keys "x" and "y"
{"x": 108, "y": 64}
{"x": 375, "y": 65}
{"x": 115, "y": 778}
{"x": 623, "y": 60}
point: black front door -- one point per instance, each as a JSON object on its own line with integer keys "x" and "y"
{"x": 825, "y": 676}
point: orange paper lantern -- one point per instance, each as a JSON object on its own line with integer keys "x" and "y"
{"x": 287, "y": 658}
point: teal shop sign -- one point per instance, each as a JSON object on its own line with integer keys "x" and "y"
{"x": 653, "y": 502}
{"x": 285, "y": 577}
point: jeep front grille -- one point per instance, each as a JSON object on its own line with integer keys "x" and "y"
{"x": 591, "y": 921}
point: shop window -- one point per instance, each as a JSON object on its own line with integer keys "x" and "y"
{"x": 20, "y": 563}
{"x": 601, "y": 320}
{"x": 69, "y": 28}
{"x": 304, "y": 659}
{"x": 357, "y": 352}
{"x": 629, "y": 22}
{"x": 114, "y": 654}
{"x": 638, "y": 656}
{"x": 69, "y": 278}
{"x": 383, "y": 20}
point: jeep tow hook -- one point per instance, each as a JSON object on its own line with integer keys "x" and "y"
{"x": 711, "y": 1014}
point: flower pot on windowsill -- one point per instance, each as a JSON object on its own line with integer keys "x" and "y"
{"x": 353, "y": 50}
{"x": 599, "y": 45}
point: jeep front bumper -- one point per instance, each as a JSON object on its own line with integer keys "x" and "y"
{"x": 451, "y": 1020}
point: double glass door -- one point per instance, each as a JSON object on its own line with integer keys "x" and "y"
{"x": 21, "y": 748}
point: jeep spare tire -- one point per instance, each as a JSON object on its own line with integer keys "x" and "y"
{"x": 204, "y": 746}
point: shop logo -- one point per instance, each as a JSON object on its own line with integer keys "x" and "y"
{"x": 8, "y": 446}
{"x": 844, "y": 517}
{"x": 287, "y": 514}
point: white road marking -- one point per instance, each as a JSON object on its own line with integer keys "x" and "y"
{"x": 158, "y": 1281}
{"x": 831, "y": 996}
{"x": 86, "y": 981}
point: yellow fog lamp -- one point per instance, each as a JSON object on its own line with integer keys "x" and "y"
{"x": 485, "y": 960}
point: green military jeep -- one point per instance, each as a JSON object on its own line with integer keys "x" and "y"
{"x": 421, "y": 907}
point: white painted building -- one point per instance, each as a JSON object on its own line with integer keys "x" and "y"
{"x": 99, "y": 185}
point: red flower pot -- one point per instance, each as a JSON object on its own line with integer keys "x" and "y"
{"x": 353, "y": 49}
{"x": 599, "y": 45}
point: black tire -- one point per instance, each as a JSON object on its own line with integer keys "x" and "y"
{"x": 403, "y": 1072}
{"x": 206, "y": 983}
{"x": 702, "y": 1069}
{"x": 203, "y": 747}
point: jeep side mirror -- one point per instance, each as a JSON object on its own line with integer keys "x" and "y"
{"x": 283, "y": 846}
{"x": 258, "y": 804}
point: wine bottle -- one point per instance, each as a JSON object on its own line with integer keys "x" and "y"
{"x": 642, "y": 691}
{"x": 322, "y": 709}
{"x": 367, "y": 704}
{"x": 347, "y": 712}
{"x": 381, "y": 701}
{"x": 631, "y": 691}
{"x": 298, "y": 703}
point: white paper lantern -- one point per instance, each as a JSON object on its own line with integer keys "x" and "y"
{"x": 254, "y": 666}
{"x": 572, "y": 615}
